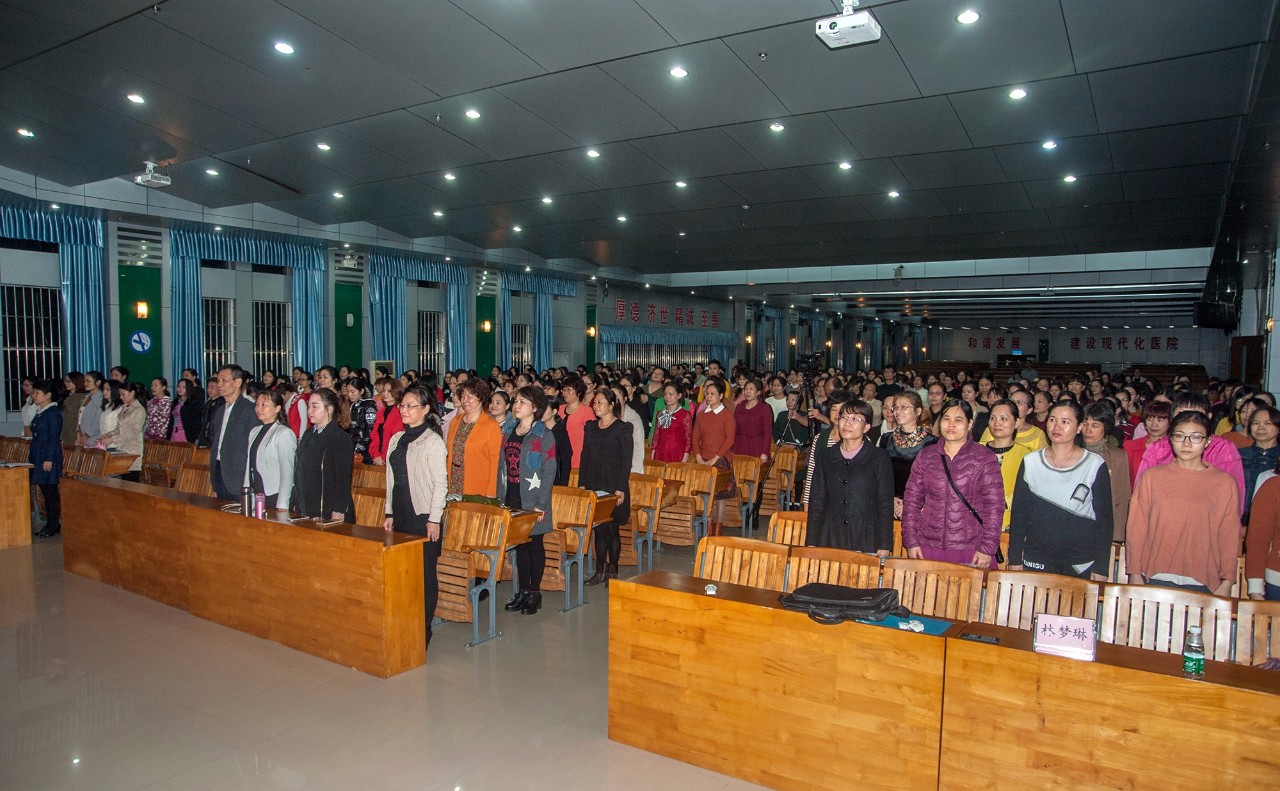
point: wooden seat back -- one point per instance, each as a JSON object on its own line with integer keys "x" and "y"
{"x": 930, "y": 587}
{"x": 370, "y": 505}
{"x": 468, "y": 527}
{"x": 789, "y": 527}
{"x": 573, "y": 477}
{"x": 898, "y": 550}
{"x": 832, "y": 566}
{"x": 1257, "y": 631}
{"x": 86, "y": 463}
{"x": 741, "y": 561}
{"x": 1014, "y": 598}
{"x": 14, "y": 450}
{"x": 1156, "y": 618}
{"x": 646, "y": 509}
{"x": 786, "y": 459}
{"x": 161, "y": 460}
{"x": 749, "y": 471}
{"x": 1116, "y": 571}
{"x": 698, "y": 478}
{"x": 655, "y": 468}
{"x": 368, "y": 476}
{"x": 571, "y": 507}
{"x": 194, "y": 478}
{"x": 679, "y": 519}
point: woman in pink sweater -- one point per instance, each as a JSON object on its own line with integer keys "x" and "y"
{"x": 1184, "y": 518}
{"x": 1219, "y": 453}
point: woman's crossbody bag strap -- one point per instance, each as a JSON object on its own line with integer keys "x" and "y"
{"x": 947, "y": 469}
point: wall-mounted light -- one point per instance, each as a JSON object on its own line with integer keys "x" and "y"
{"x": 793, "y": 341}
{"x": 1270, "y": 322}
{"x": 351, "y": 320}
{"x": 923, "y": 350}
{"x": 858, "y": 345}
{"x": 142, "y": 310}
{"x": 904, "y": 348}
{"x": 828, "y": 343}
{"x": 486, "y": 325}
{"x": 748, "y": 339}
{"x": 591, "y": 332}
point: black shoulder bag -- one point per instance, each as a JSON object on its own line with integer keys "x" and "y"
{"x": 832, "y": 604}
{"x": 947, "y": 469}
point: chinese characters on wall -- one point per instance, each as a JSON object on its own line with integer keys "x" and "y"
{"x": 630, "y": 311}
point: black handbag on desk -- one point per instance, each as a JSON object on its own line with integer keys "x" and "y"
{"x": 832, "y": 604}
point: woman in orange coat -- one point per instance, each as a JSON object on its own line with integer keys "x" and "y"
{"x": 474, "y": 443}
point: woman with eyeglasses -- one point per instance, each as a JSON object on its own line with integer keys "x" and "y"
{"x": 953, "y": 505}
{"x": 862, "y": 522}
{"x": 473, "y": 443}
{"x": 905, "y": 442}
{"x": 1062, "y": 518}
{"x": 1218, "y": 453}
{"x": 417, "y": 483}
{"x": 1184, "y": 518}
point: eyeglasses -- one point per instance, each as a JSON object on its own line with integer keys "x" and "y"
{"x": 852, "y": 419}
{"x": 1194, "y": 439}
{"x": 407, "y": 405}
{"x": 903, "y": 408}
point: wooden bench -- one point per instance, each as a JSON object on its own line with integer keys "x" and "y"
{"x": 370, "y": 505}
{"x": 475, "y": 536}
{"x": 789, "y": 527}
{"x": 1156, "y": 618}
{"x": 638, "y": 534}
{"x": 569, "y": 542}
{"x": 194, "y": 478}
{"x": 832, "y": 566}
{"x": 368, "y": 476}
{"x": 934, "y": 588}
{"x": 683, "y": 522}
{"x": 779, "y": 484}
{"x": 748, "y": 471}
{"x": 14, "y": 450}
{"x": 742, "y": 561}
{"x": 1257, "y": 631}
{"x": 1014, "y": 598}
{"x": 161, "y": 460}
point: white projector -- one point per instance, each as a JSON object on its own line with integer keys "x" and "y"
{"x": 848, "y": 29}
{"x": 151, "y": 178}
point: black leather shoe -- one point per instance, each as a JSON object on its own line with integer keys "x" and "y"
{"x": 47, "y": 533}
{"x": 533, "y": 604}
{"x": 517, "y": 602}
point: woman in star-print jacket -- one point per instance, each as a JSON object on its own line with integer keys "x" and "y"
{"x": 526, "y": 475}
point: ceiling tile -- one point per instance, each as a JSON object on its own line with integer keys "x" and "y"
{"x": 1015, "y": 41}
{"x": 1010, "y": 220}
{"x": 562, "y": 34}
{"x": 705, "y": 152}
{"x": 288, "y": 164}
{"x": 912, "y": 127}
{"x": 538, "y": 176}
{"x": 413, "y": 139}
{"x": 768, "y": 186}
{"x": 25, "y": 34}
{"x": 1093, "y": 214}
{"x": 698, "y": 194}
{"x": 718, "y": 90}
{"x": 1195, "y": 88}
{"x": 832, "y": 210}
{"x": 1176, "y": 182}
{"x": 1159, "y": 29}
{"x": 1077, "y": 155}
{"x": 83, "y": 15}
{"x": 866, "y": 177}
{"x": 1052, "y": 109}
{"x": 919, "y": 203}
{"x": 471, "y": 187}
{"x": 804, "y": 140}
{"x": 571, "y": 101}
{"x": 232, "y": 186}
{"x": 619, "y": 165}
{"x": 808, "y": 77}
{"x": 1168, "y": 146}
{"x": 705, "y": 19}
{"x": 1048, "y": 193}
{"x": 951, "y": 168}
{"x": 504, "y": 129}
{"x": 986, "y": 198}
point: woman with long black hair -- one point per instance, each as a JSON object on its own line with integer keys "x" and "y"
{"x": 606, "y": 467}
{"x": 527, "y": 468}
{"x": 322, "y": 474}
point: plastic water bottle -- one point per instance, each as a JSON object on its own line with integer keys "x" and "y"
{"x": 1193, "y": 654}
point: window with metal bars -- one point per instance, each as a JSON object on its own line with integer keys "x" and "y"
{"x": 430, "y": 340}
{"x": 646, "y": 354}
{"x": 272, "y": 337}
{"x": 32, "y": 338}
{"x": 219, "y": 333}
{"x": 521, "y": 347}
{"x": 770, "y": 354}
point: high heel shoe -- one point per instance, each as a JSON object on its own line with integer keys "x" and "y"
{"x": 600, "y": 576}
{"x": 517, "y": 602}
{"x": 533, "y": 604}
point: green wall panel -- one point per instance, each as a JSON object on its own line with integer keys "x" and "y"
{"x": 486, "y": 342}
{"x": 141, "y": 349}
{"x": 591, "y": 342}
{"x": 348, "y": 342}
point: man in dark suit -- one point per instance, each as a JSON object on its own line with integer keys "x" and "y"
{"x": 229, "y": 434}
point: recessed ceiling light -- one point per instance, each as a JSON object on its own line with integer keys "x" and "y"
{"x": 845, "y": 165}
{"x": 136, "y": 98}
{"x": 54, "y": 206}
{"x": 217, "y": 227}
{"x": 284, "y": 48}
{"x": 591, "y": 152}
{"x": 339, "y": 195}
{"x": 323, "y": 146}
{"x": 1048, "y": 145}
{"x": 593, "y": 277}
{"x": 518, "y": 229}
{"x": 894, "y": 194}
{"x": 437, "y": 213}
{"x": 622, "y": 218}
{"x": 211, "y": 171}
{"x": 967, "y": 16}
{"x": 646, "y": 285}
{"x": 26, "y": 132}
{"x": 682, "y": 233}
{"x": 448, "y": 258}
{"x": 449, "y": 177}
{"x": 528, "y": 269}
{"x": 473, "y": 113}
{"x": 777, "y": 127}
{"x": 346, "y": 246}
{"x": 1017, "y": 93}
{"x": 678, "y": 72}
{"x": 730, "y": 297}
{"x": 1069, "y": 179}
{"x": 691, "y": 293}
{"x": 682, "y": 184}
{"x": 546, "y": 198}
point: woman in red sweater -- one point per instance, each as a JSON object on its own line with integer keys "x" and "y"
{"x": 575, "y": 413}
{"x": 754, "y": 422}
{"x": 713, "y": 435}
{"x": 673, "y": 426}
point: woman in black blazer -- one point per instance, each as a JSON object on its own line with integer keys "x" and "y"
{"x": 322, "y": 474}
{"x": 606, "y": 467}
{"x": 188, "y": 412}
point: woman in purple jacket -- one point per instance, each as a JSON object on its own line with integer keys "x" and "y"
{"x": 953, "y": 506}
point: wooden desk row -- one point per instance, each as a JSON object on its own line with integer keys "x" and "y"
{"x": 736, "y": 684}
{"x": 351, "y": 595}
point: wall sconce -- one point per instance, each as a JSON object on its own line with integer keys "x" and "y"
{"x": 748, "y": 339}
{"x": 142, "y": 310}
{"x": 858, "y": 345}
{"x": 828, "y": 343}
{"x": 487, "y": 325}
{"x": 793, "y": 341}
{"x": 1270, "y": 322}
{"x": 923, "y": 350}
{"x": 904, "y": 348}
{"x": 591, "y": 332}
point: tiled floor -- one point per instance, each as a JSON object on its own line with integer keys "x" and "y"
{"x": 104, "y": 690}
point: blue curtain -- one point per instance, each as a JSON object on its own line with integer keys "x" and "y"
{"x": 504, "y": 325}
{"x": 81, "y": 269}
{"x": 543, "y": 337}
{"x": 187, "y": 348}
{"x": 778, "y": 316}
{"x": 541, "y": 286}
{"x": 818, "y": 330}
{"x": 458, "y": 322}
{"x": 388, "y": 271}
{"x": 722, "y": 343}
{"x": 78, "y": 232}
{"x": 305, "y": 256}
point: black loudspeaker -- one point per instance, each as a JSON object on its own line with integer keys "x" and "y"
{"x": 1216, "y": 315}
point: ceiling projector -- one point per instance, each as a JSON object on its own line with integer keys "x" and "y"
{"x": 848, "y": 29}
{"x": 151, "y": 178}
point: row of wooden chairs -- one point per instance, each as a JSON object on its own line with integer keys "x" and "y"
{"x": 1142, "y": 616}
{"x": 161, "y": 461}
{"x": 14, "y": 450}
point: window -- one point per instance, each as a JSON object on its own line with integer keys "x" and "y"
{"x": 770, "y": 354}
{"x": 32, "y": 339}
{"x": 430, "y": 340}
{"x": 521, "y": 350}
{"x": 272, "y": 337}
{"x": 645, "y": 354}
{"x": 219, "y": 334}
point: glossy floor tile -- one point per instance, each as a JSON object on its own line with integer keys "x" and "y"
{"x": 101, "y": 689}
